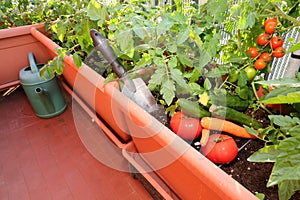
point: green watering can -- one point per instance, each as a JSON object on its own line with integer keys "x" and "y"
{"x": 44, "y": 94}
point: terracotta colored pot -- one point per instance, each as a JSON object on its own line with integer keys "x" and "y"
{"x": 15, "y": 43}
{"x": 185, "y": 171}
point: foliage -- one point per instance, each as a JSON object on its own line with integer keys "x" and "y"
{"x": 287, "y": 91}
{"x": 25, "y": 12}
{"x": 284, "y": 153}
{"x": 192, "y": 50}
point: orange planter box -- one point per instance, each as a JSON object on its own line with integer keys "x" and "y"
{"x": 185, "y": 172}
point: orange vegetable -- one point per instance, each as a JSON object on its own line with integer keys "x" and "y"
{"x": 204, "y": 137}
{"x": 226, "y": 126}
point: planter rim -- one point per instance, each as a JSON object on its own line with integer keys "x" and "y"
{"x": 20, "y": 30}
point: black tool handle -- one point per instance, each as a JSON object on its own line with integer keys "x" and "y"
{"x": 103, "y": 46}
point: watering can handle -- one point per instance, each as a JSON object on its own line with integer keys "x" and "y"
{"x": 32, "y": 63}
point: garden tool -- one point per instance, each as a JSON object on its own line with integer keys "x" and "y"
{"x": 135, "y": 89}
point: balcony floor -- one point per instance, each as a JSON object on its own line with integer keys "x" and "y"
{"x": 45, "y": 158}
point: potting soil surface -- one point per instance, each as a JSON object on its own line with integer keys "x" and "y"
{"x": 253, "y": 176}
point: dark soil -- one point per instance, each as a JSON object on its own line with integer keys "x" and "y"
{"x": 253, "y": 176}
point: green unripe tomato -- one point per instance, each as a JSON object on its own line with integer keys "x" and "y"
{"x": 233, "y": 77}
{"x": 251, "y": 72}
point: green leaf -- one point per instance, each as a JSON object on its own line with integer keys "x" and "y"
{"x": 204, "y": 59}
{"x": 260, "y": 196}
{"x": 168, "y": 91}
{"x": 145, "y": 60}
{"x": 139, "y": 31}
{"x": 217, "y": 72}
{"x": 77, "y": 59}
{"x": 265, "y": 154}
{"x": 194, "y": 76}
{"x": 172, "y": 63}
{"x": 143, "y": 47}
{"x": 242, "y": 78}
{"x": 294, "y": 48}
{"x": 184, "y": 59}
{"x": 243, "y": 92}
{"x": 236, "y": 59}
{"x": 235, "y": 10}
{"x": 242, "y": 22}
{"x": 157, "y": 78}
{"x": 251, "y": 131}
{"x": 159, "y": 61}
{"x": 287, "y": 165}
{"x": 126, "y": 45}
{"x": 293, "y": 97}
{"x": 61, "y": 31}
{"x": 211, "y": 43}
{"x": 164, "y": 26}
{"x": 284, "y": 121}
{"x": 251, "y": 19}
{"x": 183, "y": 36}
{"x": 94, "y": 11}
{"x": 217, "y": 9}
{"x": 176, "y": 75}
{"x": 172, "y": 48}
{"x": 288, "y": 82}
{"x": 286, "y": 189}
{"x": 207, "y": 84}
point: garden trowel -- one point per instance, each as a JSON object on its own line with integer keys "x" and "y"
{"x": 135, "y": 89}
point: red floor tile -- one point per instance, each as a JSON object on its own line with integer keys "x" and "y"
{"x": 48, "y": 159}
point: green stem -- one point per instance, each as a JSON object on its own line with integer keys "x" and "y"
{"x": 239, "y": 44}
{"x": 257, "y": 98}
{"x": 279, "y": 12}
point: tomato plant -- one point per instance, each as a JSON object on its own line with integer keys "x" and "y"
{"x": 263, "y": 39}
{"x": 220, "y": 149}
{"x": 279, "y": 52}
{"x": 184, "y": 126}
{"x": 276, "y": 41}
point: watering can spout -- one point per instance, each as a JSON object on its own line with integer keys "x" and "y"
{"x": 45, "y": 99}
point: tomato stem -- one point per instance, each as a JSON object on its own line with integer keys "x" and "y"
{"x": 257, "y": 98}
{"x": 279, "y": 12}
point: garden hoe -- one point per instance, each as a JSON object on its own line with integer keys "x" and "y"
{"x": 135, "y": 89}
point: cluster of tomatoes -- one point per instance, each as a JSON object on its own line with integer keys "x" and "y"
{"x": 219, "y": 148}
{"x": 270, "y": 43}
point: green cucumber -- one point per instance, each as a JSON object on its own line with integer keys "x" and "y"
{"x": 235, "y": 116}
{"x": 228, "y": 100}
{"x": 192, "y": 108}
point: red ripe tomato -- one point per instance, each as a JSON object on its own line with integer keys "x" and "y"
{"x": 270, "y": 27}
{"x": 253, "y": 52}
{"x": 260, "y": 64}
{"x": 185, "y": 127}
{"x": 220, "y": 149}
{"x": 272, "y": 19}
{"x": 276, "y": 41}
{"x": 265, "y": 56}
{"x": 263, "y": 39}
{"x": 279, "y": 52}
